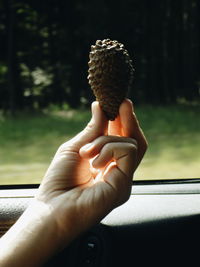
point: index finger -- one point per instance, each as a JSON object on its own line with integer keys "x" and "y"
{"x": 131, "y": 127}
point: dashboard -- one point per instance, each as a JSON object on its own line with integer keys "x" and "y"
{"x": 158, "y": 225}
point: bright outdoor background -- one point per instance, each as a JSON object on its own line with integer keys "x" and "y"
{"x": 44, "y": 93}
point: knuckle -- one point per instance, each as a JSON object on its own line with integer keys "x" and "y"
{"x": 63, "y": 147}
{"x": 133, "y": 148}
{"x": 131, "y": 141}
{"x": 134, "y": 142}
{"x": 103, "y": 141}
{"x": 108, "y": 146}
{"x": 90, "y": 125}
{"x": 89, "y": 128}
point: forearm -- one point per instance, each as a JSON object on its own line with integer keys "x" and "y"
{"x": 32, "y": 240}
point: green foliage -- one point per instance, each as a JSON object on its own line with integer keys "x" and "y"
{"x": 44, "y": 49}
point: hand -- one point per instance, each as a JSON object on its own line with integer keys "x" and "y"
{"x": 81, "y": 191}
{"x": 89, "y": 176}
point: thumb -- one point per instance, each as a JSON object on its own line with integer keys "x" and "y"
{"x": 96, "y": 127}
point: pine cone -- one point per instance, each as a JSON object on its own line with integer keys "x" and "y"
{"x": 110, "y": 75}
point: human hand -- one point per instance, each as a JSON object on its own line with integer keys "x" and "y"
{"x": 89, "y": 176}
{"x": 82, "y": 190}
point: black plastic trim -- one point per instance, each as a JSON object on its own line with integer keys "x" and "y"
{"x": 18, "y": 186}
{"x": 135, "y": 182}
{"x": 166, "y": 181}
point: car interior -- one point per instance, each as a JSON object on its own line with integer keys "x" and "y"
{"x": 45, "y": 92}
{"x": 159, "y": 225}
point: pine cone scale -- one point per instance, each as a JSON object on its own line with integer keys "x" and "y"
{"x": 110, "y": 75}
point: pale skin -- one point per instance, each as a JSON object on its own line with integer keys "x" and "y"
{"x": 89, "y": 176}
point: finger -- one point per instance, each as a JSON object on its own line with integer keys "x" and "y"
{"x": 123, "y": 154}
{"x": 96, "y": 127}
{"x": 120, "y": 185}
{"x": 92, "y": 149}
{"x": 131, "y": 127}
{"x": 115, "y": 127}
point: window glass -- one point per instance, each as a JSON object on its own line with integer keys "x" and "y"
{"x": 173, "y": 133}
{"x": 44, "y": 92}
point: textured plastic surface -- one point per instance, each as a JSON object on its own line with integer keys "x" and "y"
{"x": 159, "y": 225}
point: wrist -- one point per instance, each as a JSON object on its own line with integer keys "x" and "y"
{"x": 33, "y": 238}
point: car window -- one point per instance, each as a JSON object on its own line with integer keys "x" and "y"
{"x": 45, "y": 95}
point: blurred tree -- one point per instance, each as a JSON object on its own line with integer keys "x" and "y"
{"x": 44, "y": 49}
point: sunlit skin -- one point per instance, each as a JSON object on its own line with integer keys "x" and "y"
{"x": 89, "y": 176}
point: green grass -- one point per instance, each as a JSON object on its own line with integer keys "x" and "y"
{"x": 173, "y": 134}
{"x": 29, "y": 141}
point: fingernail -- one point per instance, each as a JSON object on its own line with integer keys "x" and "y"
{"x": 131, "y": 102}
